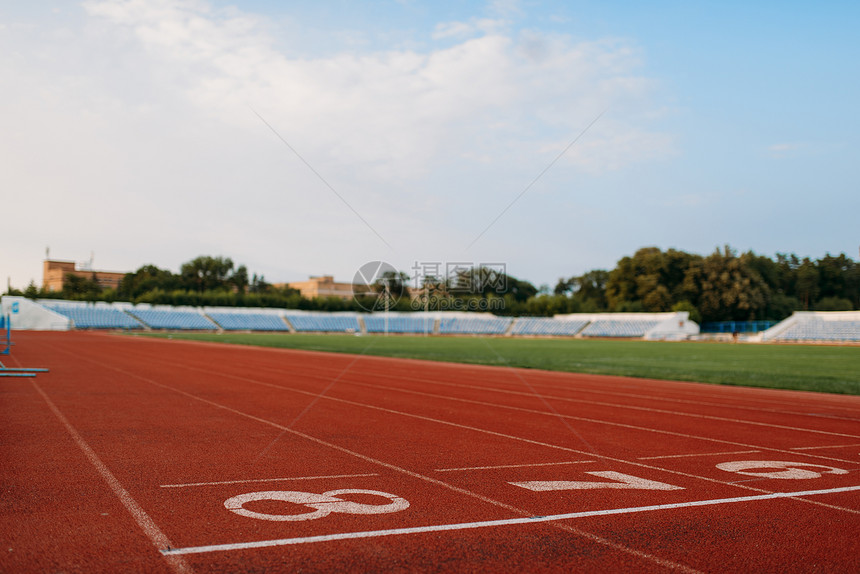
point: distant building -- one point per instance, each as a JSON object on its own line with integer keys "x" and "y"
{"x": 325, "y": 286}
{"x": 54, "y": 275}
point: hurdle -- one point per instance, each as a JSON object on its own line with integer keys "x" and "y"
{"x": 6, "y": 325}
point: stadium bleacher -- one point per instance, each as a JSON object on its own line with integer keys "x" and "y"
{"x": 619, "y": 328}
{"x": 399, "y": 324}
{"x": 183, "y": 320}
{"x": 234, "y": 321}
{"x": 548, "y": 327}
{"x": 88, "y": 316}
{"x": 822, "y": 326}
{"x": 474, "y": 326}
{"x": 822, "y": 331}
{"x": 324, "y": 323}
{"x": 50, "y": 314}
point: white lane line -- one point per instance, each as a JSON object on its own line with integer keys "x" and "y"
{"x": 144, "y": 521}
{"x": 493, "y": 523}
{"x": 554, "y": 387}
{"x": 477, "y": 429}
{"x": 266, "y": 480}
{"x": 514, "y": 465}
{"x": 629, "y": 407}
{"x": 696, "y": 454}
{"x": 592, "y": 537}
{"x": 830, "y": 446}
{"x": 533, "y": 411}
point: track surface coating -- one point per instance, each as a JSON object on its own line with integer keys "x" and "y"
{"x": 134, "y": 454}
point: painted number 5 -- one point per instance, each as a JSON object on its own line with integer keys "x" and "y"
{"x": 779, "y": 469}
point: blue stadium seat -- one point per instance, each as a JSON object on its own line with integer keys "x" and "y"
{"x": 821, "y": 330}
{"x": 324, "y": 323}
{"x": 474, "y": 326}
{"x": 548, "y": 326}
{"x": 399, "y": 324}
{"x": 84, "y": 316}
{"x": 619, "y": 328}
{"x": 174, "y": 319}
{"x": 233, "y": 321}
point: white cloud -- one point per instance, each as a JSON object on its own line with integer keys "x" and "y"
{"x": 397, "y": 108}
{"x": 781, "y": 150}
{"x": 143, "y": 112}
{"x": 453, "y": 30}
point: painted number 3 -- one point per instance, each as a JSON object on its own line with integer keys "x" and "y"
{"x": 323, "y": 504}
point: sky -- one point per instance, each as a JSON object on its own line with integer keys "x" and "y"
{"x": 309, "y": 138}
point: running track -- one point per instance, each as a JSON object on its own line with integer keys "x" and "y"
{"x": 142, "y": 455}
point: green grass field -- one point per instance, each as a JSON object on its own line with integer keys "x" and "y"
{"x": 827, "y": 369}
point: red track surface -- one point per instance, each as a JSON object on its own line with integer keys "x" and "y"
{"x": 121, "y": 458}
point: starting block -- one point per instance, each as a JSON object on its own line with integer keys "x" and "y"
{"x": 13, "y": 371}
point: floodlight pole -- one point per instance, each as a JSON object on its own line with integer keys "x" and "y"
{"x": 387, "y": 300}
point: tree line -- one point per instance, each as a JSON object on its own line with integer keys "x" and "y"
{"x": 722, "y": 286}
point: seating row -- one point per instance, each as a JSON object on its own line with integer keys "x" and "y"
{"x": 325, "y": 323}
{"x": 399, "y": 324}
{"x": 248, "y": 321}
{"x": 547, "y": 326}
{"x": 90, "y": 317}
{"x": 474, "y": 326}
{"x": 173, "y": 319}
{"x": 819, "y": 330}
{"x": 614, "y": 328}
{"x": 802, "y": 326}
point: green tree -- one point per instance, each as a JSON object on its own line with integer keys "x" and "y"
{"x": 685, "y": 305}
{"x": 834, "y": 304}
{"x": 239, "y": 279}
{"x": 653, "y": 278}
{"x": 587, "y": 289}
{"x": 206, "y": 273}
{"x": 259, "y": 285}
{"x": 621, "y": 286}
{"x": 392, "y": 283}
{"x": 839, "y": 277}
{"x": 32, "y": 292}
{"x": 146, "y": 278}
{"x": 728, "y": 287}
{"x": 486, "y": 282}
{"x": 81, "y": 288}
{"x": 806, "y": 284}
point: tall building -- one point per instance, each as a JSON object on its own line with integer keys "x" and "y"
{"x": 325, "y": 286}
{"x": 54, "y": 274}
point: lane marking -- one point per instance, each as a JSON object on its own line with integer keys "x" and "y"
{"x": 554, "y": 387}
{"x": 778, "y": 469}
{"x": 78, "y": 355}
{"x": 250, "y": 480}
{"x": 144, "y": 521}
{"x": 597, "y": 421}
{"x": 313, "y": 402}
{"x": 514, "y": 465}
{"x": 697, "y": 454}
{"x": 614, "y": 405}
{"x": 323, "y": 504}
{"x": 622, "y": 482}
{"x": 567, "y": 528}
{"x": 495, "y": 523}
{"x": 829, "y": 446}
{"x": 548, "y": 380}
{"x": 521, "y": 409}
{"x": 467, "y": 427}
